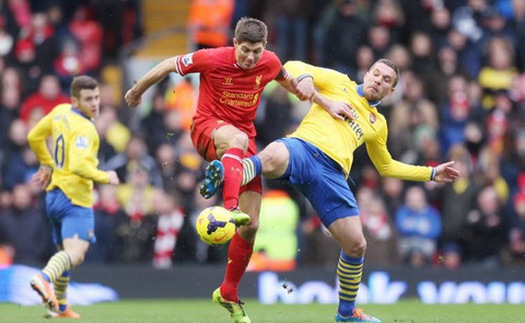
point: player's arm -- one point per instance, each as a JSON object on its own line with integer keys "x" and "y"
{"x": 82, "y": 160}
{"x": 37, "y": 141}
{"x": 310, "y": 78}
{"x": 153, "y": 76}
{"x": 388, "y": 167}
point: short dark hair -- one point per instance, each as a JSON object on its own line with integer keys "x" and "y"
{"x": 82, "y": 82}
{"x": 390, "y": 64}
{"x": 251, "y": 30}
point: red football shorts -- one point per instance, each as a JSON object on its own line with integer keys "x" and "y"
{"x": 202, "y": 137}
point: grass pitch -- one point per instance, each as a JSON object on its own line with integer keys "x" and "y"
{"x": 204, "y": 311}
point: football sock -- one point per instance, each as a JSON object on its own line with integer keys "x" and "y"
{"x": 349, "y": 271}
{"x": 59, "y": 263}
{"x": 232, "y": 162}
{"x": 239, "y": 254}
{"x": 251, "y": 168}
{"x": 61, "y": 290}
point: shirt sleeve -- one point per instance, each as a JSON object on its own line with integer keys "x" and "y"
{"x": 82, "y": 157}
{"x": 195, "y": 62}
{"x": 37, "y": 140}
{"x": 388, "y": 167}
{"x": 323, "y": 77}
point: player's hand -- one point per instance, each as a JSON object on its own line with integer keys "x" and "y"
{"x": 132, "y": 98}
{"x": 306, "y": 89}
{"x": 445, "y": 173}
{"x": 337, "y": 109}
{"x": 43, "y": 176}
{"x": 113, "y": 178}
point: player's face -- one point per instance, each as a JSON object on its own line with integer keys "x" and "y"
{"x": 247, "y": 54}
{"x": 379, "y": 82}
{"x": 88, "y": 102}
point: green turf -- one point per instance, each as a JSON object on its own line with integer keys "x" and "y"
{"x": 197, "y": 311}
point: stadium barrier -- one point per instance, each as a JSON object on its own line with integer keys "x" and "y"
{"x": 301, "y": 286}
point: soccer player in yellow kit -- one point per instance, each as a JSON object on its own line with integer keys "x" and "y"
{"x": 318, "y": 156}
{"x": 67, "y": 174}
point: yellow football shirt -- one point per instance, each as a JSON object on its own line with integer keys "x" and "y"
{"x": 339, "y": 139}
{"x": 74, "y": 146}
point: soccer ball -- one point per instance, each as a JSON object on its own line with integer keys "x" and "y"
{"x": 215, "y": 225}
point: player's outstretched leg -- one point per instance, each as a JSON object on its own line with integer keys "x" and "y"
{"x": 40, "y": 285}
{"x": 67, "y": 314}
{"x": 213, "y": 178}
{"x": 235, "y": 308}
{"x": 357, "y": 316}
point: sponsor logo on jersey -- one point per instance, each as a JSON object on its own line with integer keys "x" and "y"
{"x": 187, "y": 59}
{"x": 81, "y": 142}
{"x": 228, "y": 81}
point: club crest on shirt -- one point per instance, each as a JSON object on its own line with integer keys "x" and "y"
{"x": 257, "y": 82}
{"x": 81, "y": 142}
{"x": 187, "y": 59}
{"x": 373, "y": 118}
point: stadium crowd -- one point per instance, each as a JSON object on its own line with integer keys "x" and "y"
{"x": 461, "y": 97}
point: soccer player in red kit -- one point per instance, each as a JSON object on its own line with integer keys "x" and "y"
{"x": 232, "y": 80}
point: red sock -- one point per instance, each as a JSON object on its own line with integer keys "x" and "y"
{"x": 232, "y": 162}
{"x": 239, "y": 254}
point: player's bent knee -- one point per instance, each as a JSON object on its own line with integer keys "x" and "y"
{"x": 240, "y": 140}
{"x": 355, "y": 247}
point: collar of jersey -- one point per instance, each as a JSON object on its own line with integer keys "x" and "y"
{"x": 77, "y": 111}
{"x": 361, "y": 93}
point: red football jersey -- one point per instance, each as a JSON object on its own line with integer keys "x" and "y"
{"x": 227, "y": 91}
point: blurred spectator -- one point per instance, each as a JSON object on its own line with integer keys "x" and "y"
{"x": 379, "y": 39}
{"x": 68, "y": 63}
{"x": 423, "y": 53}
{"x": 169, "y": 224}
{"x": 486, "y": 231}
{"x": 108, "y": 215}
{"x": 20, "y": 163}
{"x": 153, "y": 124}
{"x": 513, "y": 158}
{"x": 455, "y": 113}
{"x": 89, "y": 34}
{"x": 517, "y": 25}
{"x": 392, "y": 191}
{"x": 338, "y": 49}
{"x": 10, "y": 96}
{"x": 183, "y": 98}
{"x": 42, "y": 102}
{"x": 498, "y": 71}
{"x": 440, "y": 20}
{"x": 469, "y": 53}
{"x": 134, "y": 157}
{"x": 289, "y": 19}
{"x": 209, "y": 22}
{"x": 408, "y": 118}
{"x": 457, "y": 200}
{"x": 275, "y": 119}
{"x": 22, "y": 225}
{"x": 38, "y": 37}
{"x": 516, "y": 248}
{"x": 136, "y": 232}
{"x": 445, "y": 67}
{"x": 419, "y": 226}
{"x": 276, "y": 245}
{"x": 364, "y": 60}
{"x": 388, "y": 13}
{"x": 379, "y": 231}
